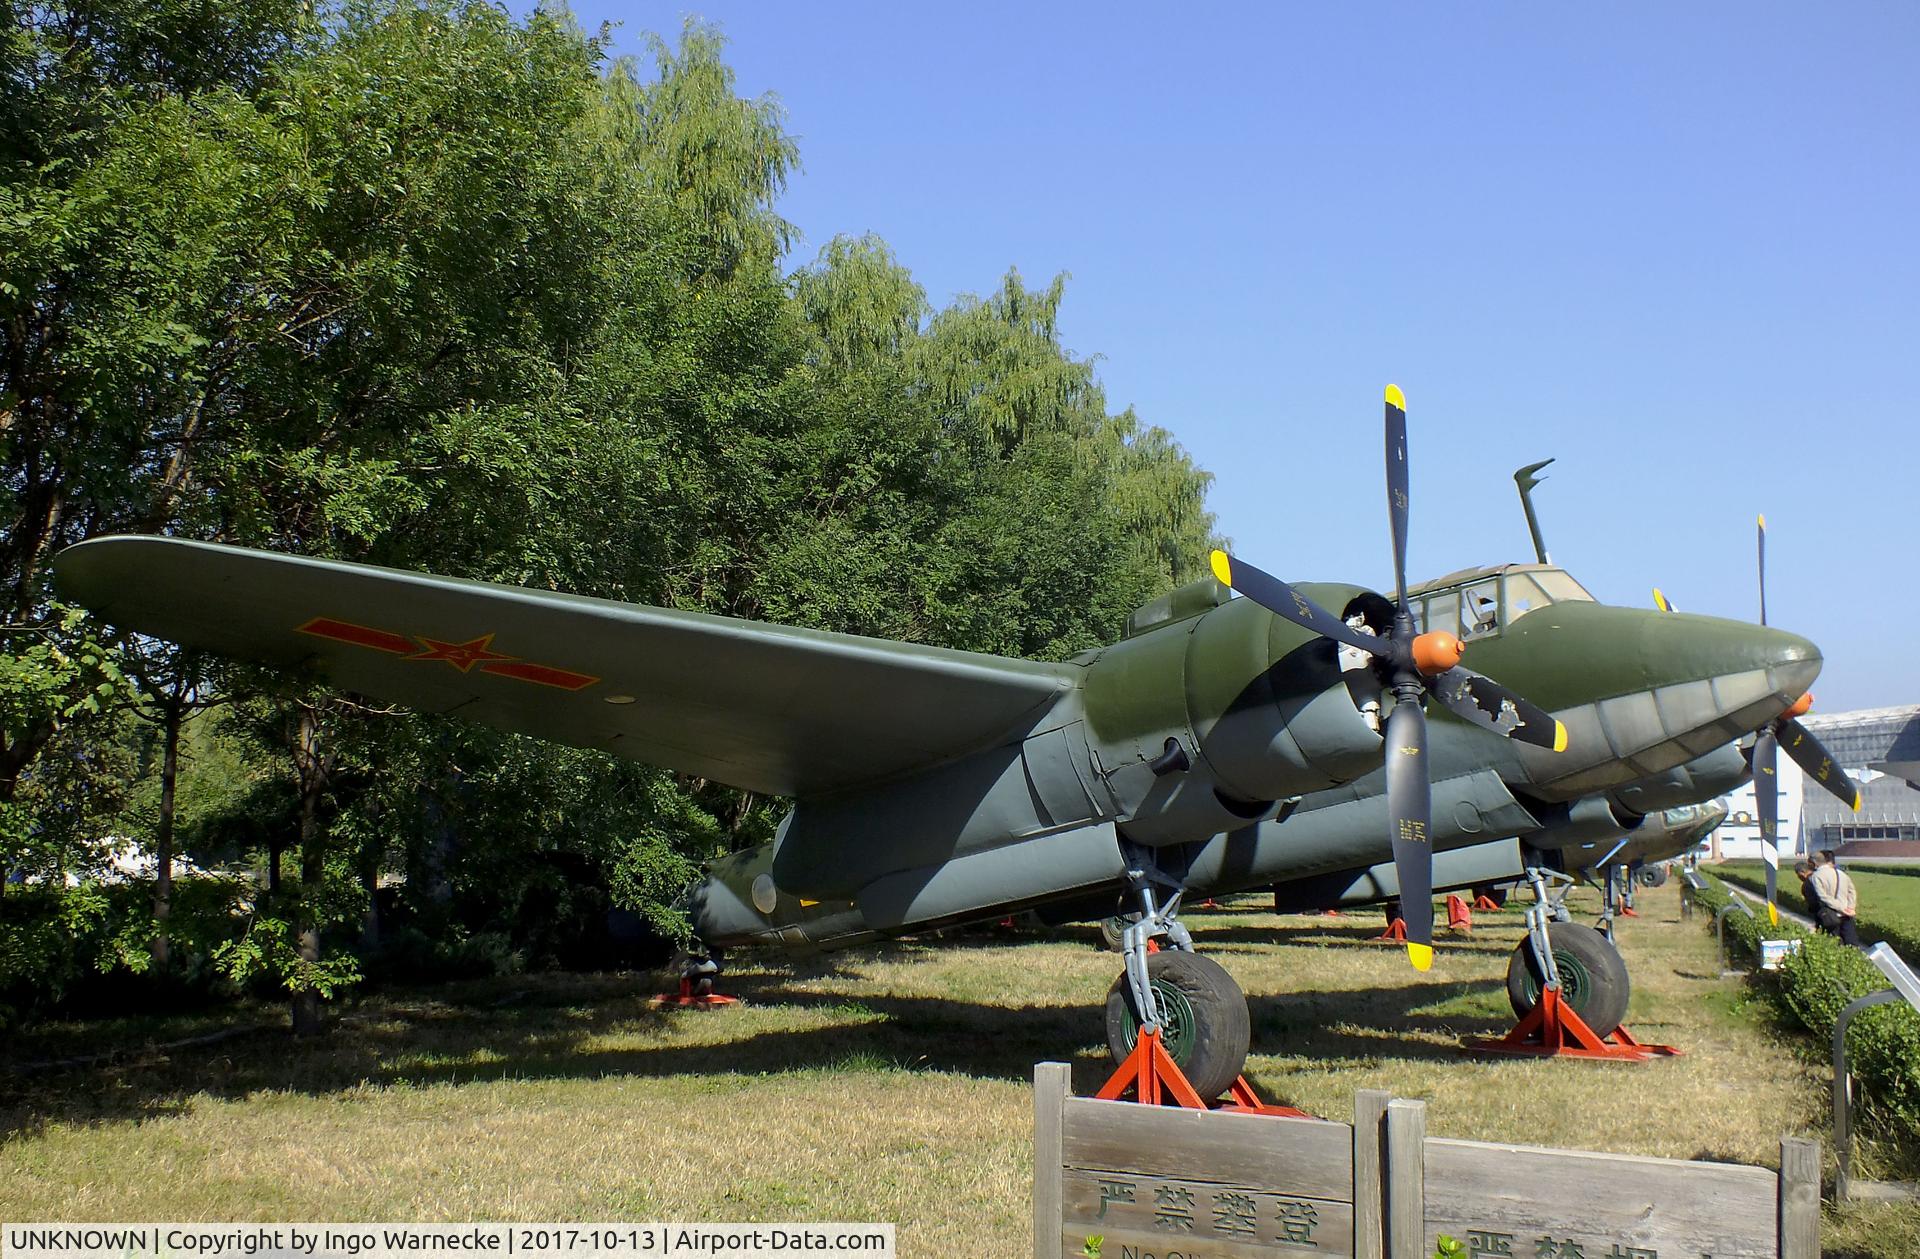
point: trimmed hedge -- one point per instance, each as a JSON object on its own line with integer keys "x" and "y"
{"x": 1909, "y": 872}
{"x": 1815, "y": 984}
{"x": 1886, "y": 914}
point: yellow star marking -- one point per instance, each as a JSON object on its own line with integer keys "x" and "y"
{"x": 462, "y": 656}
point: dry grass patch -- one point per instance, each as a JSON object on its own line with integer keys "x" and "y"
{"x": 888, "y": 1083}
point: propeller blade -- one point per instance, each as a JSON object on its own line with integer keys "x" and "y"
{"x": 1409, "y": 802}
{"x": 1662, "y": 602}
{"x": 1279, "y": 598}
{"x": 1397, "y": 500}
{"x": 1812, "y": 756}
{"x": 1766, "y": 799}
{"x": 1487, "y": 704}
{"x": 1763, "y": 570}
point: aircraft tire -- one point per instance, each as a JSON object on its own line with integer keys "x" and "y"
{"x": 1207, "y": 1029}
{"x": 1593, "y": 979}
{"x": 1653, "y": 876}
{"x": 1112, "y": 929}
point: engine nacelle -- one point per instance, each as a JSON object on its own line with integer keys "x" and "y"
{"x": 1699, "y": 780}
{"x": 1587, "y": 820}
{"x": 1193, "y": 727}
{"x": 1208, "y": 724}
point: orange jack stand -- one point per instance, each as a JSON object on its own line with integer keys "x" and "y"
{"x": 1242, "y": 1100}
{"x": 688, "y": 999}
{"x": 1151, "y": 1072}
{"x": 1155, "y": 1079}
{"x": 1552, "y": 1030}
{"x": 1459, "y": 917}
{"x": 1485, "y": 904}
{"x": 1331, "y": 913}
{"x": 1396, "y": 932}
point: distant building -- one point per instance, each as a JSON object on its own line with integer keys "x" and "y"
{"x": 1879, "y": 748}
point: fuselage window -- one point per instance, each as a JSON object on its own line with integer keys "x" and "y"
{"x": 1480, "y": 610}
{"x": 1443, "y": 612}
{"x": 1523, "y": 596}
{"x": 1561, "y": 588}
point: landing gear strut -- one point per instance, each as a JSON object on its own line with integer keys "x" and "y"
{"x": 697, "y": 976}
{"x": 1188, "y": 1001}
{"x": 1569, "y": 987}
{"x": 1560, "y": 953}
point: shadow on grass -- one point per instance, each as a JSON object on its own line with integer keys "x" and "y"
{"x": 1364, "y": 1026}
{"x": 591, "y": 1026}
{"x": 1344, "y": 932}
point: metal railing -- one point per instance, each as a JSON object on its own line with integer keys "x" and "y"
{"x": 1905, "y": 986}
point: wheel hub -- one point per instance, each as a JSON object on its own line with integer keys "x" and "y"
{"x": 1177, "y": 1021}
{"x": 1576, "y": 981}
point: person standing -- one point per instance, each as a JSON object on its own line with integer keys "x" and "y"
{"x": 1817, "y": 909}
{"x": 1845, "y": 898}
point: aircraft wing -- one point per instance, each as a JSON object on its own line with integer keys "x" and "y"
{"x": 770, "y": 708}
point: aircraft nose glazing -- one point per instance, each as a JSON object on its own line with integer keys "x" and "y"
{"x": 1704, "y": 683}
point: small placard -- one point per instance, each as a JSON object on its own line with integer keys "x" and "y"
{"x": 1774, "y": 952}
{"x": 1197, "y": 1216}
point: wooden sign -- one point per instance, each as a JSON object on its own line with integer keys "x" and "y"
{"x": 1116, "y": 1180}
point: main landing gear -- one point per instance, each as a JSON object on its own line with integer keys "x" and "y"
{"x": 1189, "y": 1003}
{"x": 1568, "y": 986}
{"x": 697, "y": 976}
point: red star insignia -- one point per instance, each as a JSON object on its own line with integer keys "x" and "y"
{"x": 462, "y": 656}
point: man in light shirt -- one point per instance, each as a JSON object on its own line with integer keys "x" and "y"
{"x": 1837, "y": 890}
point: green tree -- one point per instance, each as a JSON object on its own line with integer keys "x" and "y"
{"x": 429, "y": 286}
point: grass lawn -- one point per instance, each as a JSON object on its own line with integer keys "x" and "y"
{"x": 1889, "y": 903}
{"x": 887, "y": 1083}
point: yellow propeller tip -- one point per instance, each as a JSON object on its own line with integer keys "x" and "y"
{"x": 1763, "y": 520}
{"x": 1421, "y": 955}
{"x": 1222, "y": 568}
{"x": 1856, "y": 800}
{"x": 1559, "y": 736}
{"x": 1660, "y": 600}
{"x": 1396, "y": 397}
{"x": 1773, "y": 915}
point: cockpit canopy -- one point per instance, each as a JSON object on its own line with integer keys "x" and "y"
{"x": 1473, "y": 603}
{"x": 1479, "y": 602}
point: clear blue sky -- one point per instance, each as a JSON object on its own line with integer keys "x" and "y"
{"x": 1670, "y": 245}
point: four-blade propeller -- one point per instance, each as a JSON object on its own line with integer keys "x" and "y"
{"x": 1807, "y": 752}
{"x": 1414, "y": 665}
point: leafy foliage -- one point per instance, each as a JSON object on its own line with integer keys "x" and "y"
{"x": 59, "y": 941}
{"x": 1815, "y": 984}
{"x": 431, "y": 286}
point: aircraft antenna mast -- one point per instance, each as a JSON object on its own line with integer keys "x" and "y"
{"x": 1525, "y": 479}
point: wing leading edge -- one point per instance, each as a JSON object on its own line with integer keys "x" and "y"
{"x": 771, "y": 708}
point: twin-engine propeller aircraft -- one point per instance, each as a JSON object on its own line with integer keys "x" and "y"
{"x": 934, "y": 787}
{"x": 1598, "y": 838}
